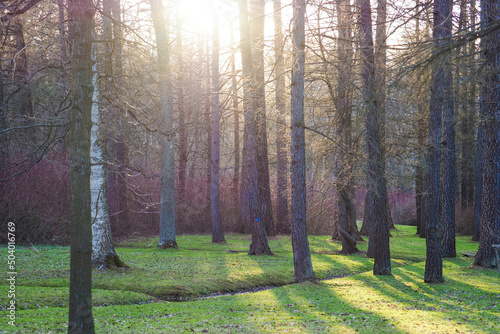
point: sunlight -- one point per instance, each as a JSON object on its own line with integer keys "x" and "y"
{"x": 196, "y": 13}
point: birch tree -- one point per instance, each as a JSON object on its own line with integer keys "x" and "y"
{"x": 103, "y": 250}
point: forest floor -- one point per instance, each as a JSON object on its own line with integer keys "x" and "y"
{"x": 192, "y": 289}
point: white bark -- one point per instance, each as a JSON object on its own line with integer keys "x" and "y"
{"x": 102, "y": 245}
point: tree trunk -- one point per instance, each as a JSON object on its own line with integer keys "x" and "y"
{"x": 282, "y": 169}
{"x": 441, "y": 32}
{"x": 259, "y": 243}
{"x": 103, "y": 251}
{"x": 344, "y": 162}
{"x": 449, "y": 173}
{"x": 167, "y": 209}
{"x": 380, "y": 84}
{"x": 80, "y": 14}
{"x": 300, "y": 243}
{"x": 490, "y": 203}
{"x": 375, "y": 177}
{"x": 257, "y": 35}
{"x": 217, "y": 231}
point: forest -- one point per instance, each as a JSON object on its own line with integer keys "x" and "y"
{"x": 183, "y": 155}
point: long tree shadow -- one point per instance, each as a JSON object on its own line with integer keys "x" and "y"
{"x": 450, "y": 301}
{"x": 315, "y": 305}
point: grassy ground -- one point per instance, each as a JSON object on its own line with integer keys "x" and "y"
{"x": 133, "y": 301}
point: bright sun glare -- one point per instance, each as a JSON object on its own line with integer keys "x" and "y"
{"x": 197, "y": 13}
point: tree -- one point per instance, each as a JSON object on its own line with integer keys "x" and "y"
{"x": 250, "y": 184}
{"x": 282, "y": 212}
{"x": 257, "y": 36}
{"x": 217, "y": 231}
{"x": 301, "y": 253}
{"x": 103, "y": 250}
{"x": 167, "y": 210}
{"x": 440, "y": 90}
{"x": 345, "y": 211}
{"x": 80, "y": 14}
{"x": 375, "y": 170}
{"x": 490, "y": 202}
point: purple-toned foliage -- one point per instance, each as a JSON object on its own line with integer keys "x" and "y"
{"x": 37, "y": 201}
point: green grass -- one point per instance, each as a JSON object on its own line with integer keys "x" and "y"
{"x": 134, "y": 300}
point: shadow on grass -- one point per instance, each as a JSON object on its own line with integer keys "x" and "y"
{"x": 316, "y": 305}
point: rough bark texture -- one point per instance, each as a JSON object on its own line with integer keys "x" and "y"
{"x": 217, "y": 231}
{"x": 167, "y": 210}
{"x": 344, "y": 218}
{"x": 103, "y": 251}
{"x": 301, "y": 253}
{"x": 80, "y": 14}
{"x": 490, "y": 203}
{"x": 441, "y": 31}
{"x": 282, "y": 168}
{"x": 259, "y": 243}
{"x": 449, "y": 172}
{"x": 375, "y": 176}
{"x": 257, "y": 35}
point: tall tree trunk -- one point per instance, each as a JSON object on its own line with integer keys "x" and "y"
{"x": 449, "y": 170}
{"x": 257, "y": 35}
{"x": 380, "y": 83}
{"x": 103, "y": 250}
{"x": 80, "y": 14}
{"x": 375, "y": 176}
{"x": 490, "y": 203}
{"x": 167, "y": 209}
{"x": 259, "y": 243}
{"x": 343, "y": 164}
{"x": 217, "y": 231}
{"x": 439, "y": 80}
{"x": 282, "y": 169}
{"x": 300, "y": 243}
